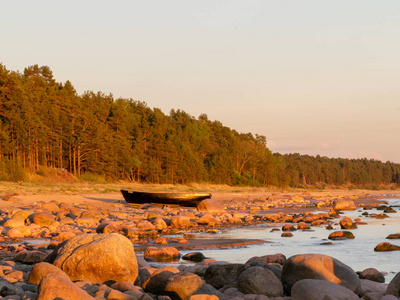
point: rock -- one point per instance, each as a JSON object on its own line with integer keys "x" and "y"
{"x": 19, "y": 232}
{"x": 156, "y": 283}
{"x": 14, "y": 222}
{"x": 303, "y": 225}
{"x": 203, "y": 297}
{"x": 180, "y": 222}
{"x": 278, "y": 258}
{"x": 159, "y": 223}
{"x": 161, "y": 254}
{"x": 347, "y": 223}
{"x": 318, "y": 266}
{"x": 54, "y": 286}
{"x": 183, "y": 285}
{"x": 394, "y": 286}
{"x": 287, "y": 234}
{"x": 51, "y": 206}
{"x": 208, "y": 219}
{"x": 385, "y": 246}
{"x": 313, "y": 289}
{"x": 23, "y": 214}
{"x": 194, "y": 256}
{"x": 393, "y": 236}
{"x": 341, "y": 235}
{"x": 257, "y": 280}
{"x": 97, "y": 258}
{"x": 221, "y": 275}
{"x": 7, "y": 288}
{"x": 42, "y": 269}
{"x": 288, "y": 227}
{"x": 43, "y": 219}
{"x": 344, "y": 205}
{"x": 210, "y": 206}
{"x": 369, "y": 286}
{"x": 372, "y": 274}
{"x": 30, "y": 257}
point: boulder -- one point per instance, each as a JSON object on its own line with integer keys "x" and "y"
{"x": 183, "y": 285}
{"x": 14, "y": 222}
{"x": 194, "y": 256}
{"x": 347, "y": 223}
{"x": 42, "y": 269}
{"x": 344, "y": 205}
{"x": 369, "y": 286}
{"x": 208, "y": 219}
{"x": 210, "y": 206}
{"x": 43, "y": 219}
{"x": 54, "y": 286}
{"x": 302, "y": 226}
{"x": 394, "y": 286}
{"x": 221, "y": 275}
{"x": 372, "y": 274}
{"x": 30, "y": 257}
{"x": 385, "y": 246}
{"x": 156, "y": 283}
{"x": 393, "y": 236}
{"x": 97, "y": 258}
{"x": 257, "y": 280}
{"x": 161, "y": 254}
{"x": 24, "y": 214}
{"x": 314, "y": 289}
{"x": 318, "y": 266}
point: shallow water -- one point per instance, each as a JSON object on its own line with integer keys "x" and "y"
{"x": 358, "y": 253}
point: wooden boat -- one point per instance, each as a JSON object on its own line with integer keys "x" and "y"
{"x": 182, "y": 199}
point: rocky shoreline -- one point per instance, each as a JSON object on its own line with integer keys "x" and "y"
{"x": 90, "y": 250}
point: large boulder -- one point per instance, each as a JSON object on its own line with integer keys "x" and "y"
{"x": 97, "y": 258}
{"x": 372, "y": 274}
{"x": 43, "y": 219}
{"x": 257, "y": 280}
{"x": 210, "y": 206}
{"x": 277, "y": 258}
{"x": 156, "y": 283}
{"x": 54, "y": 286}
{"x": 183, "y": 285}
{"x": 318, "y": 266}
{"x": 161, "y": 254}
{"x": 314, "y": 289}
{"x": 347, "y": 223}
{"x": 385, "y": 246}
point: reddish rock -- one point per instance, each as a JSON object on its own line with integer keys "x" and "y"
{"x": 161, "y": 254}
{"x": 42, "y": 269}
{"x": 344, "y": 205}
{"x": 341, "y": 235}
{"x": 156, "y": 283}
{"x": 54, "y": 286}
{"x": 180, "y": 222}
{"x": 347, "y": 223}
{"x": 97, "y": 258}
{"x": 43, "y": 219}
{"x": 210, "y": 206}
{"x": 14, "y": 222}
{"x": 30, "y": 257}
{"x": 385, "y": 246}
{"x": 183, "y": 285}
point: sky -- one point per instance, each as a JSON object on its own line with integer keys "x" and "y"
{"x": 314, "y": 77}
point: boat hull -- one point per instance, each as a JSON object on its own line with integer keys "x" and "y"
{"x": 182, "y": 199}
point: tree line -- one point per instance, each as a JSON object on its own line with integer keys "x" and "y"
{"x": 45, "y": 123}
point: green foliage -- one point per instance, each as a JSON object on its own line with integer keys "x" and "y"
{"x": 46, "y": 125}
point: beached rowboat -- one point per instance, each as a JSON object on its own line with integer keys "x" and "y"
{"x": 182, "y": 199}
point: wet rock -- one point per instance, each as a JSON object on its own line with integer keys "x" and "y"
{"x": 97, "y": 258}
{"x": 208, "y": 219}
{"x": 159, "y": 223}
{"x": 344, "y": 205}
{"x": 287, "y": 234}
{"x": 385, "y": 246}
{"x": 341, "y": 235}
{"x": 210, "y": 206}
{"x": 393, "y": 236}
{"x": 318, "y": 266}
{"x": 182, "y": 285}
{"x": 156, "y": 283}
{"x": 42, "y": 269}
{"x": 394, "y": 286}
{"x": 161, "y": 254}
{"x": 194, "y": 256}
{"x": 161, "y": 241}
{"x": 347, "y": 223}
{"x": 257, "y": 280}
{"x": 389, "y": 210}
{"x": 313, "y": 289}
{"x": 372, "y": 274}
{"x": 221, "y": 275}
{"x": 288, "y": 227}
{"x": 54, "y": 286}
{"x": 302, "y": 226}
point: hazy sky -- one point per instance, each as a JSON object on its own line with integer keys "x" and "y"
{"x": 314, "y": 77}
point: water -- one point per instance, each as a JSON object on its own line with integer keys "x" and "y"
{"x": 358, "y": 253}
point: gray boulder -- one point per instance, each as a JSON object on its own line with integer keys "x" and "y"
{"x": 183, "y": 285}
{"x": 257, "y": 280}
{"x": 314, "y": 289}
{"x": 221, "y": 275}
{"x": 394, "y": 286}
